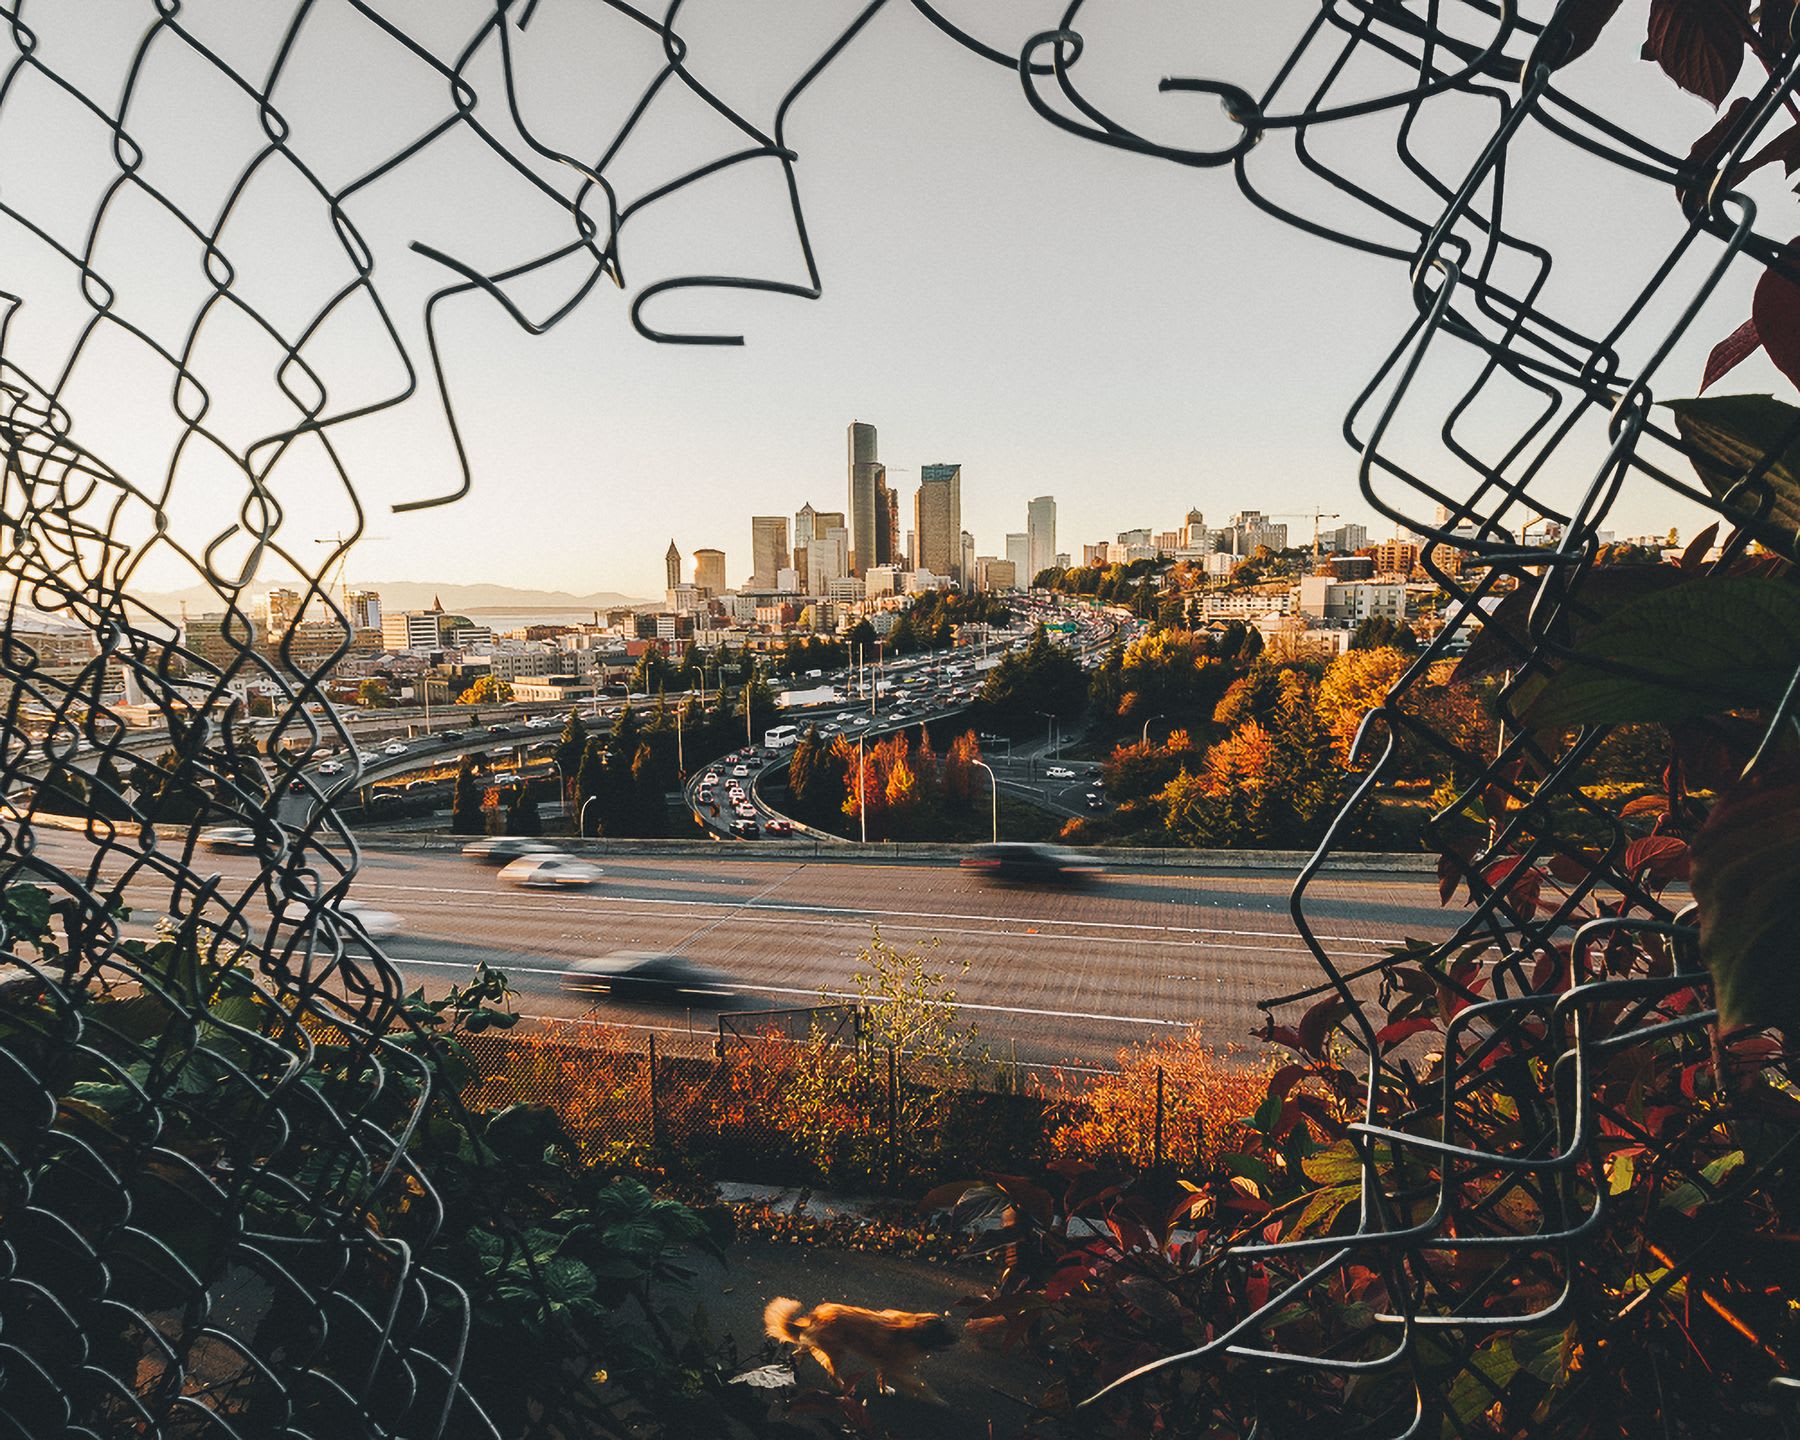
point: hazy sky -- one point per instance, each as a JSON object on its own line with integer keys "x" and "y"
{"x": 1130, "y": 336}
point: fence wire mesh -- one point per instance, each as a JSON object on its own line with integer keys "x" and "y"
{"x": 180, "y": 1159}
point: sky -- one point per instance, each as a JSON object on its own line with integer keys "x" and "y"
{"x": 1130, "y": 336}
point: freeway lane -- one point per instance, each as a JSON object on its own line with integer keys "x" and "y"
{"x": 1054, "y": 975}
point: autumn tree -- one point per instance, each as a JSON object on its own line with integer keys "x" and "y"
{"x": 1355, "y": 683}
{"x": 487, "y": 690}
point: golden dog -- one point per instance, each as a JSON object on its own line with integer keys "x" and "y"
{"x": 895, "y": 1342}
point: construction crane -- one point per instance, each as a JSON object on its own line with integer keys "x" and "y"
{"x": 341, "y": 544}
{"x": 1315, "y": 516}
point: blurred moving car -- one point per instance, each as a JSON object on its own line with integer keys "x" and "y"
{"x": 498, "y": 849}
{"x": 228, "y": 837}
{"x": 1015, "y": 861}
{"x": 393, "y": 748}
{"x": 549, "y": 871}
{"x": 650, "y": 978}
{"x": 373, "y": 921}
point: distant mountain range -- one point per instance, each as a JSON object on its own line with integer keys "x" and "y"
{"x": 419, "y": 594}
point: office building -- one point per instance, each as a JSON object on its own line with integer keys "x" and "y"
{"x": 1346, "y": 539}
{"x": 827, "y": 559}
{"x": 1193, "y": 532}
{"x": 671, "y": 567}
{"x": 1018, "y": 550}
{"x": 709, "y": 572}
{"x": 768, "y": 549}
{"x": 1092, "y": 555}
{"x": 280, "y": 611}
{"x": 806, "y": 529}
{"x": 364, "y": 608}
{"x": 410, "y": 630}
{"x": 881, "y": 580}
{"x": 887, "y": 535}
{"x": 994, "y": 574}
{"x": 1248, "y": 530}
{"x": 868, "y": 500}
{"x": 965, "y": 572}
{"x": 1040, "y": 531}
{"x": 937, "y": 520}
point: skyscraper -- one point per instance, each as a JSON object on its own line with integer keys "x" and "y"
{"x": 1040, "y": 527}
{"x": 887, "y": 535}
{"x": 806, "y": 528}
{"x": 868, "y": 512}
{"x": 672, "y": 565}
{"x": 768, "y": 549}
{"x": 967, "y": 553}
{"x": 709, "y": 571}
{"x": 937, "y": 520}
{"x": 1018, "y": 550}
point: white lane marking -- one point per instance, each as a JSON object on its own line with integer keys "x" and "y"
{"x": 511, "y": 970}
{"x": 496, "y": 901}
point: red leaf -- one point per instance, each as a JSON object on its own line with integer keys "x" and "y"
{"x": 1572, "y": 869}
{"x": 1775, "y": 312}
{"x": 1663, "y": 856}
{"x": 1700, "y": 546}
{"x": 1450, "y": 870}
{"x": 1700, "y": 43}
{"x": 1698, "y": 173}
{"x": 1646, "y": 805}
{"x": 1731, "y": 352}
{"x": 1388, "y": 1036}
{"x": 1316, "y": 1023}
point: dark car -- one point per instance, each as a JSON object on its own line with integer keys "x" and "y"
{"x": 447, "y": 736}
{"x": 499, "y": 729}
{"x": 1095, "y": 800}
{"x": 504, "y": 849}
{"x": 1015, "y": 862}
{"x": 744, "y": 829}
{"x": 649, "y": 978}
{"x": 296, "y": 787}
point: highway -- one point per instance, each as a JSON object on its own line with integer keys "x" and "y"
{"x": 1055, "y": 975}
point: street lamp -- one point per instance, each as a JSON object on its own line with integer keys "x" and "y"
{"x": 994, "y": 794}
{"x": 1145, "y": 741}
{"x": 1049, "y": 732}
{"x": 581, "y": 819}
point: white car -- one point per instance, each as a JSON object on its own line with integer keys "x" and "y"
{"x": 1060, "y": 772}
{"x": 374, "y": 922}
{"x": 394, "y": 748}
{"x": 740, "y": 771}
{"x": 744, "y": 812}
{"x": 539, "y": 722}
{"x": 711, "y": 777}
{"x": 228, "y": 837}
{"x": 332, "y": 767}
{"x": 549, "y": 870}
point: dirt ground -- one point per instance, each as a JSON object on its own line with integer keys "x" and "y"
{"x": 988, "y": 1392}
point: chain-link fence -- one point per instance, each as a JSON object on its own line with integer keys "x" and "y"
{"x": 830, "y": 1109}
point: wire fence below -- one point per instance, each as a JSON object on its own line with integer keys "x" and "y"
{"x": 816, "y": 1111}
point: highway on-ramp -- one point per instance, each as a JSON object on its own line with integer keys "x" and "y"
{"x": 1054, "y": 975}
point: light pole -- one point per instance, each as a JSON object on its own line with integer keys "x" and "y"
{"x": 994, "y": 795}
{"x": 581, "y": 819}
{"x": 680, "y": 756}
{"x": 1145, "y": 741}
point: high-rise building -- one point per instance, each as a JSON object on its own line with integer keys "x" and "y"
{"x": 1040, "y": 528}
{"x": 995, "y": 574}
{"x": 827, "y": 559}
{"x": 672, "y": 566}
{"x": 806, "y": 529}
{"x": 1193, "y": 531}
{"x": 1018, "y": 550}
{"x": 363, "y": 608}
{"x": 937, "y": 520}
{"x": 887, "y": 535}
{"x": 768, "y": 549}
{"x": 281, "y": 611}
{"x": 966, "y": 571}
{"x": 709, "y": 571}
{"x": 867, "y": 512}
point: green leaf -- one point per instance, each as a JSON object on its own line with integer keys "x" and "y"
{"x": 1746, "y": 879}
{"x": 1731, "y": 433}
{"x": 1698, "y": 649}
{"x": 1340, "y": 1165}
{"x": 567, "y": 1280}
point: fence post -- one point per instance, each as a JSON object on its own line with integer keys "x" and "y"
{"x": 893, "y": 1125}
{"x": 655, "y": 1100}
{"x": 1156, "y": 1148}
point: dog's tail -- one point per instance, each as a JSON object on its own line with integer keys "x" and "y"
{"x": 783, "y": 1321}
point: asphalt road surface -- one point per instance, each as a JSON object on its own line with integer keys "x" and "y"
{"x": 1054, "y": 975}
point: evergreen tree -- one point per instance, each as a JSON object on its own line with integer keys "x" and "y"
{"x": 522, "y": 813}
{"x": 569, "y": 750}
{"x": 590, "y": 785}
{"x": 465, "y": 800}
{"x": 649, "y": 813}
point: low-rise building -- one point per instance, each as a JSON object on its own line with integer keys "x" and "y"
{"x": 1351, "y": 602}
